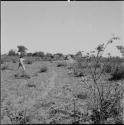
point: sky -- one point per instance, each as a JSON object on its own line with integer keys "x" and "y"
{"x": 60, "y": 26}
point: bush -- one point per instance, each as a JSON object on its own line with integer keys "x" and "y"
{"x": 12, "y": 53}
{"x": 82, "y": 95}
{"x": 118, "y": 73}
{"x": 108, "y": 69}
{"x": 43, "y": 69}
{"x": 78, "y": 73}
{"x": 23, "y": 75}
{"x": 38, "y": 54}
{"x": 110, "y": 108}
{"x": 61, "y": 64}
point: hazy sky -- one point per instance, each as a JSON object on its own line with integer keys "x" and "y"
{"x": 63, "y": 27}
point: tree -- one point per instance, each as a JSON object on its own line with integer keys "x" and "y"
{"x": 58, "y": 56}
{"x": 22, "y": 49}
{"x": 12, "y": 53}
{"x": 48, "y": 56}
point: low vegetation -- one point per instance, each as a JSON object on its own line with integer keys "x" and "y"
{"x": 61, "y": 64}
{"x": 118, "y": 73}
{"x": 22, "y": 75}
{"x": 93, "y": 94}
{"x": 5, "y": 67}
{"x": 43, "y": 69}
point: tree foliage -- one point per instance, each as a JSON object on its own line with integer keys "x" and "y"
{"x": 22, "y": 49}
{"x": 39, "y": 54}
{"x": 12, "y": 53}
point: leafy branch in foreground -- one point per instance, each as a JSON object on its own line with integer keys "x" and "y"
{"x": 105, "y": 96}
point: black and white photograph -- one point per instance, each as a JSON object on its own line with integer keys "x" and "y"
{"x": 62, "y": 62}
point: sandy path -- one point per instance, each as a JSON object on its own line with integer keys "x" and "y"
{"x": 51, "y": 83}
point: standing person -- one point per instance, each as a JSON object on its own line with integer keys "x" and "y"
{"x": 21, "y": 64}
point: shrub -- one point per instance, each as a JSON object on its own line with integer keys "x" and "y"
{"x": 110, "y": 108}
{"x": 82, "y": 95}
{"x": 58, "y": 56}
{"x": 23, "y": 75}
{"x": 78, "y": 73}
{"x": 108, "y": 69}
{"x": 43, "y": 69}
{"x": 48, "y": 57}
{"x": 61, "y": 64}
{"x": 17, "y": 117}
{"x": 12, "y": 53}
{"x": 118, "y": 73}
{"x": 38, "y": 54}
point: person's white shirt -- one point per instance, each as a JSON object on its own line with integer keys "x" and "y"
{"x": 21, "y": 60}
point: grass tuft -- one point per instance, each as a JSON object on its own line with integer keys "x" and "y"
{"x": 43, "y": 69}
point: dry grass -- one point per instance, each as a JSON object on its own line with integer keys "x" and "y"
{"x": 28, "y": 62}
{"x": 59, "y": 105}
{"x": 5, "y": 67}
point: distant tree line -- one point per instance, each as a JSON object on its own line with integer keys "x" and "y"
{"x": 48, "y": 56}
{"x": 22, "y": 50}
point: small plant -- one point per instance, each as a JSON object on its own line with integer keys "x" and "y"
{"x": 18, "y": 117}
{"x": 78, "y": 73}
{"x": 82, "y": 95}
{"x": 23, "y": 75}
{"x": 61, "y": 64}
{"x": 43, "y": 69}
